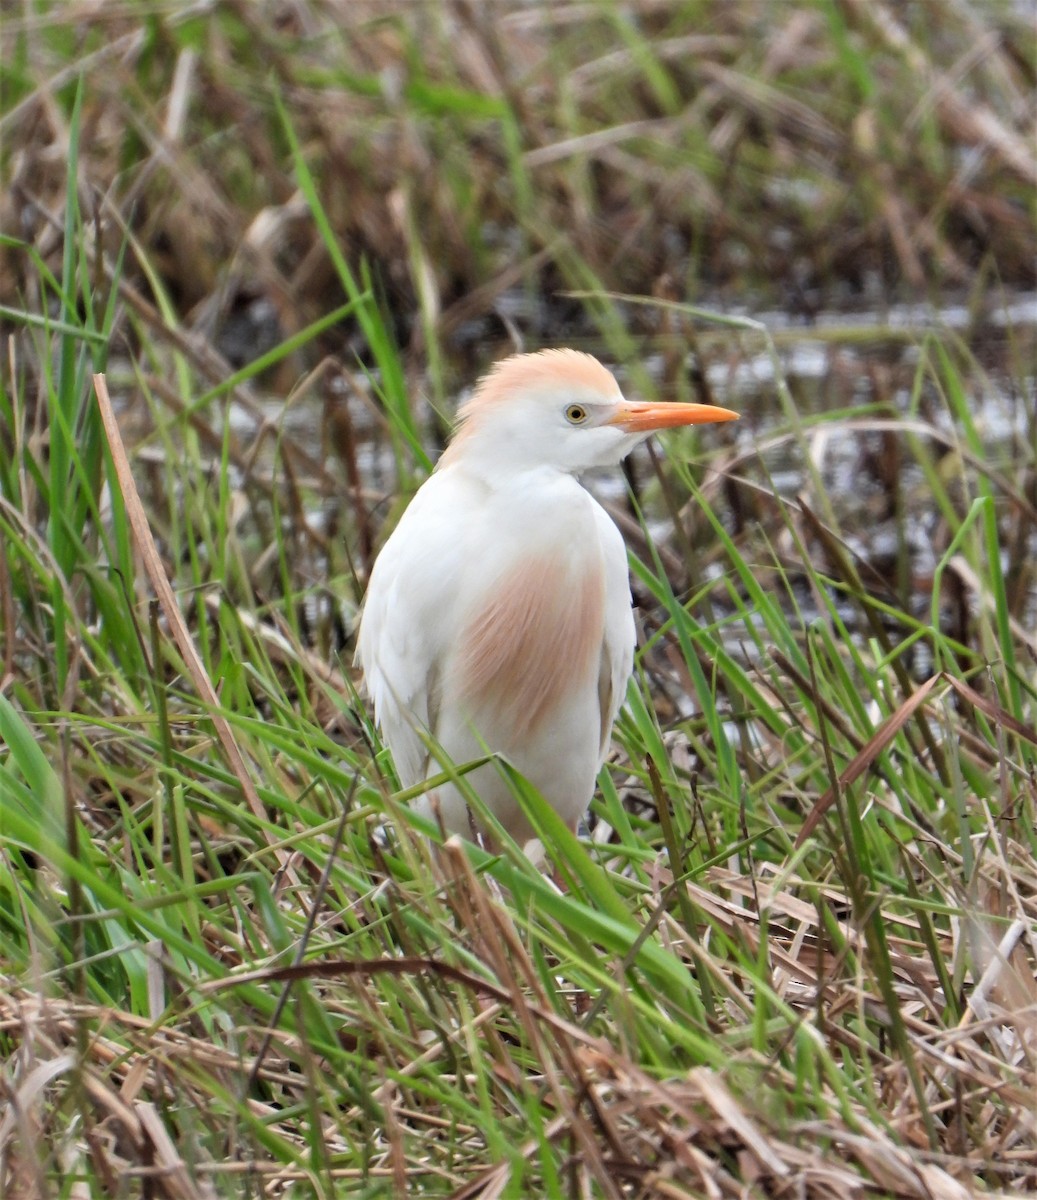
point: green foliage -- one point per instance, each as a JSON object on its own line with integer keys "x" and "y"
{"x": 797, "y": 932}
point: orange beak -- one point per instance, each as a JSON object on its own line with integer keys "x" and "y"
{"x": 642, "y": 418}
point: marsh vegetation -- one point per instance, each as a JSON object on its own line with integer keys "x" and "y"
{"x": 795, "y": 953}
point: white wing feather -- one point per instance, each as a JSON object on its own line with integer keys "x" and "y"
{"x": 409, "y": 616}
{"x": 617, "y": 651}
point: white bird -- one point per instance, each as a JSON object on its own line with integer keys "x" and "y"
{"x": 498, "y": 614}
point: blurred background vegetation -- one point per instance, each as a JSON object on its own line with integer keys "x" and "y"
{"x": 797, "y": 949}
{"x": 481, "y": 159}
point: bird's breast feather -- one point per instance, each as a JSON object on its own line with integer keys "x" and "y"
{"x": 530, "y": 639}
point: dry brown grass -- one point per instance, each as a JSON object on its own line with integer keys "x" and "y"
{"x": 481, "y": 157}
{"x": 798, "y": 957}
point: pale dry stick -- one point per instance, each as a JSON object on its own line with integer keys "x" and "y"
{"x": 997, "y": 968}
{"x": 716, "y": 1094}
{"x": 169, "y": 1164}
{"x": 120, "y": 48}
{"x": 590, "y": 143}
{"x": 148, "y": 552}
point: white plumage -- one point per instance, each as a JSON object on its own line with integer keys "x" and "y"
{"x": 497, "y": 616}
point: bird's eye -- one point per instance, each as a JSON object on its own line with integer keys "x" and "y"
{"x": 576, "y": 414}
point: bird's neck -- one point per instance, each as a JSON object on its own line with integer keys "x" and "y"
{"x": 499, "y": 472}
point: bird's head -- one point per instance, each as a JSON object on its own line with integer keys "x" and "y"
{"x": 560, "y": 409}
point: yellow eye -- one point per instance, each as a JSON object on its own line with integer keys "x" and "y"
{"x": 576, "y": 414}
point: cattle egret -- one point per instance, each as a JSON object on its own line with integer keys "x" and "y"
{"x": 498, "y": 614}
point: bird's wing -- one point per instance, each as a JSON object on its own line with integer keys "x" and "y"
{"x": 617, "y": 649}
{"x": 408, "y": 617}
